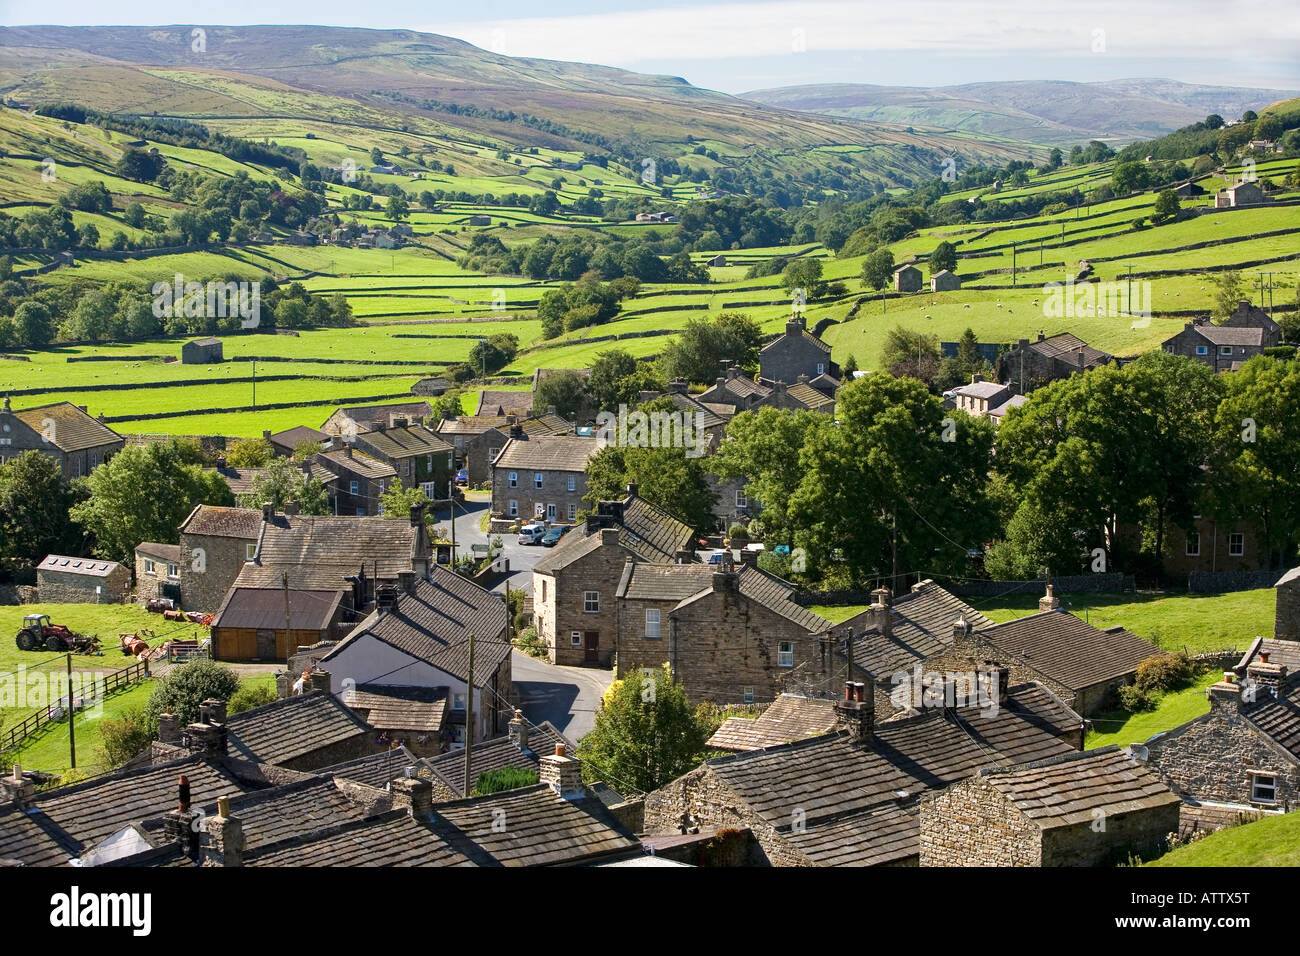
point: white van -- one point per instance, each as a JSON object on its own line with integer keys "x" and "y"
{"x": 532, "y": 533}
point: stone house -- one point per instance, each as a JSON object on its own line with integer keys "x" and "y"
{"x": 157, "y": 571}
{"x": 522, "y": 748}
{"x": 944, "y": 281}
{"x": 730, "y": 635}
{"x": 907, "y": 278}
{"x": 1223, "y": 348}
{"x": 1241, "y": 194}
{"x": 359, "y": 418}
{"x": 502, "y": 402}
{"x": 285, "y": 443}
{"x": 202, "y": 352}
{"x": 64, "y": 580}
{"x": 796, "y": 352}
{"x": 362, "y": 480}
{"x": 717, "y": 262}
{"x": 419, "y": 457}
{"x": 1286, "y": 616}
{"x": 980, "y": 397}
{"x": 575, "y": 604}
{"x": 1029, "y": 365}
{"x": 215, "y": 542}
{"x": 794, "y": 798}
{"x": 418, "y": 636}
{"x": 1213, "y": 545}
{"x": 63, "y": 432}
{"x": 542, "y": 477}
{"x": 738, "y": 392}
{"x": 414, "y": 719}
{"x": 1047, "y": 813}
{"x": 478, "y": 440}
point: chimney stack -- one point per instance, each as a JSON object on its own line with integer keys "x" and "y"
{"x": 406, "y": 581}
{"x": 169, "y": 729}
{"x": 1267, "y": 677}
{"x": 880, "y": 616}
{"x": 178, "y": 825}
{"x": 385, "y": 599}
{"x": 993, "y": 680}
{"x": 563, "y": 774}
{"x": 17, "y": 791}
{"x": 206, "y": 739}
{"x": 226, "y": 836}
{"x": 212, "y": 711}
{"x": 1225, "y": 696}
{"x": 417, "y": 514}
{"x": 857, "y": 711}
{"x": 1049, "y": 601}
{"x": 268, "y": 511}
{"x": 319, "y": 680}
{"x": 518, "y": 729}
{"x": 748, "y": 557}
{"x": 632, "y": 489}
{"x": 415, "y": 794}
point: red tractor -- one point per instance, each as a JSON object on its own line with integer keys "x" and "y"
{"x": 38, "y": 632}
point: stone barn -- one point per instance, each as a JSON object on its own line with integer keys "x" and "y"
{"x": 201, "y": 352}
{"x": 944, "y": 281}
{"x": 907, "y": 279}
{"x": 1286, "y": 619}
{"x": 64, "y": 580}
{"x": 1084, "y": 809}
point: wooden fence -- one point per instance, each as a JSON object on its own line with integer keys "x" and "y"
{"x": 54, "y": 712}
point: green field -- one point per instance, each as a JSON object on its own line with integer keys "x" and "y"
{"x": 1172, "y": 709}
{"x": 49, "y": 749}
{"x": 1273, "y": 841}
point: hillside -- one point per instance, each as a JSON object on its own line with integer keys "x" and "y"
{"x": 1040, "y": 112}
{"x": 1273, "y": 841}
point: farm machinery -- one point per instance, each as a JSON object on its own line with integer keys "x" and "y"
{"x": 39, "y": 632}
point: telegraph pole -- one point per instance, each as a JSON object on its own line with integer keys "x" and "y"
{"x": 469, "y": 715}
{"x": 1013, "y": 264}
{"x": 254, "y": 384}
{"x": 72, "y": 717}
{"x": 288, "y": 651}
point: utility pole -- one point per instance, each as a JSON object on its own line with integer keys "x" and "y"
{"x": 1013, "y": 264}
{"x": 1128, "y": 301}
{"x": 288, "y": 651}
{"x": 72, "y": 717}
{"x": 469, "y": 716}
{"x": 254, "y": 384}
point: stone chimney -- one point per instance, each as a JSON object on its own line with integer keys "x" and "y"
{"x": 609, "y": 537}
{"x": 266, "y": 434}
{"x": 401, "y": 422}
{"x": 976, "y": 378}
{"x": 793, "y": 328}
{"x": 268, "y": 512}
{"x": 1079, "y": 358}
{"x": 415, "y": 795}
{"x": 206, "y": 739}
{"x": 517, "y": 431}
{"x": 283, "y": 687}
{"x": 17, "y": 790}
{"x": 684, "y": 556}
{"x": 550, "y": 409}
{"x": 169, "y": 729}
{"x": 319, "y": 680}
{"x": 632, "y": 489}
{"x": 178, "y": 824}
{"x": 857, "y": 711}
{"x": 563, "y": 774}
{"x": 722, "y": 381}
{"x": 1225, "y": 696}
{"x": 417, "y": 514}
{"x": 1049, "y": 601}
{"x": 221, "y": 462}
{"x": 225, "y": 837}
{"x": 1267, "y": 677}
{"x": 677, "y": 386}
{"x": 961, "y": 629}
{"x": 726, "y": 580}
{"x": 212, "y": 711}
{"x": 347, "y": 450}
{"x": 749, "y": 558}
{"x": 993, "y": 677}
{"x": 385, "y": 599}
{"x": 880, "y": 614}
{"x": 518, "y": 729}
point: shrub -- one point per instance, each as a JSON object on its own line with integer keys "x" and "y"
{"x": 250, "y": 694}
{"x": 531, "y": 644}
{"x": 1164, "y": 672}
{"x": 124, "y": 737}
{"x": 1135, "y": 700}
{"x": 182, "y": 690}
{"x": 504, "y": 778}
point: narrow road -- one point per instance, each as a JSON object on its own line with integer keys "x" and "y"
{"x": 566, "y": 696}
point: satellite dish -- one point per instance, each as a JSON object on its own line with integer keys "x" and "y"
{"x": 1139, "y": 751}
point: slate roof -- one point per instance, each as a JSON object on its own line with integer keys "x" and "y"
{"x": 411, "y": 709}
{"x": 72, "y": 820}
{"x": 688, "y": 403}
{"x": 495, "y": 754}
{"x": 90, "y": 567}
{"x": 264, "y": 608}
{"x": 1065, "y": 346}
{"x": 496, "y": 402}
{"x": 1231, "y": 335}
{"x": 1279, "y": 717}
{"x": 547, "y": 453}
{"x": 405, "y": 442}
{"x": 1068, "y": 790}
{"x": 981, "y": 389}
{"x": 858, "y": 801}
{"x": 790, "y": 717}
{"x": 390, "y": 839}
{"x": 218, "y": 522}
{"x": 291, "y": 727}
{"x": 1279, "y": 652}
{"x": 1069, "y": 650}
{"x": 74, "y": 430}
{"x": 433, "y": 624}
{"x": 163, "y": 552}
{"x": 374, "y": 770}
{"x": 240, "y": 480}
{"x": 358, "y": 462}
{"x": 810, "y": 396}
{"x": 921, "y": 625}
{"x": 774, "y": 594}
{"x": 291, "y": 438}
{"x": 804, "y": 334}
{"x": 1015, "y": 401}
{"x": 320, "y": 551}
{"x": 473, "y": 425}
{"x": 366, "y": 415}
{"x": 646, "y": 530}
{"x": 740, "y": 385}
{"x": 643, "y": 581}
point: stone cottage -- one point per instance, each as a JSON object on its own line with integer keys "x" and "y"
{"x": 542, "y": 477}
{"x": 794, "y": 353}
{"x": 215, "y": 542}
{"x": 78, "y": 442}
{"x": 1028, "y": 365}
{"x": 64, "y": 580}
{"x": 205, "y": 351}
{"x": 157, "y": 571}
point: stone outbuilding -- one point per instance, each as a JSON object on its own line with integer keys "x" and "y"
{"x": 944, "y": 281}
{"x": 1286, "y": 616}
{"x": 202, "y": 352}
{"x": 907, "y": 279}
{"x": 157, "y": 571}
{"x": 65, "y": 580}
{"x": 1079, "y": 809}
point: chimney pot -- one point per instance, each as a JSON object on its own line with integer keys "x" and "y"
{"x": 268, "y": 511}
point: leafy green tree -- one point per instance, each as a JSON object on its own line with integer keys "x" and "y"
{"x": 252, "y": 693}
{"x": 397, "y": 208}
{"x": 284, "y": 483}
{"x": 804, "y": 274}
{"x": 1167, "y": 204}
{"x": 181, "y": 691}
{"x": 33, "y": 324}
{"x": 125, "y": 736}
{"x": 878, "y": 269}
{"x": 912, "y": 354}
{"x": 1228, "y": 291}
{"x": 943, "y": 257}
{"x": 250, "y": 453}
{"x": 397, "y": 502}
{"x": 566, "y": 391}
{"x": 1128, "y": 177}
{"x": 143, "y": 493}
{"x": 34, "y": 503}
{"x": 606, "y": 384}
{"x": 645, "y": 734}
{"x": 697, "y": 353}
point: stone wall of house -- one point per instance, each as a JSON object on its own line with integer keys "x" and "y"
{"x": 964, "y": 655}
{"x": 148, "y": 585}
{"x": 206, "y": 579}
{"x": 1123, "y": 833}
{"x": 563, "y": 611}
{"x": 60, "y": 587}
{"x": 360, "y": 744}
{"x": 527, "y": 496}
{"x": 700, "y": 801}
{"x": 790, "y": 356}
{"x": 724, "y": 642}
{"x": 1286, "y": 617}
{"x": 1209, "y": 760}
{"x": 479, "y": 452}
{"x": 635, "y": 649}
{"x": 971, "y": 824}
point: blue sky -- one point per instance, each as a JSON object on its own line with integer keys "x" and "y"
{"x": 751, "y": 44}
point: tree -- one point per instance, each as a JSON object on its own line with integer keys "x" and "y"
{"x": 610, "y": 371}
{"x": 1167, "y": 204}
{"x": 396, "y": 502}
{"x": 910, "y": 353}
{"x": 664, "y": 476}
{"x": 1228, "y": 292}
{"x": 182, "y": 690}
{"x": 943, "y": 258}
{"x": 878, "y": 269}
{"x": 566, "y": 391}
{"x": 1128, "y": 177}
{"x": 252, "y": 693}
{"x": 34, "y": 503}
{"x": 143, "y": 493}
{"x": 250, "y": 453}
{"x": 645, "y": 734}
{"x": 397, "y": 208}
{"x": 33, "y": 324}
{"x": 849, "y": 367}
{"x": 698, "y": 352}
{"x": 1054, "y": 159}
{"x": 283, "y": 483}
{"x": 804, "y": 274}
{"x": 490, "y": 355}
{"x": 125, "y": 736}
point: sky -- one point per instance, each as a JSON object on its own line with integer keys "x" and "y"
{"x": 740, "y": 45}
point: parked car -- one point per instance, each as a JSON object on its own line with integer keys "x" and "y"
{"x": 717, "y": 556}
{"x": 532, "y": 533}
{"x": 552, "y": 537}
{"x": 462, "y": 477}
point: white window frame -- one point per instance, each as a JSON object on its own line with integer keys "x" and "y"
{"x": 250, "y": 550}
{"x": 575, "y": 638}
{"x": 149, "y": 567}
{"x": 513, "y": 508}
{"x": 749, "y": 693}
{"x": 1193, "y": 549}
{"x": 652, "y": 624}
{"x": 1236, "y": 544}
{"x": 512, "y": 479}
{"x": 458, "y": 696}
{"x": 1202, "y": 350}
{"x": 354, "y": 487}
{"x": 573, "y": 483}
{"x": 785, "y": 654}
{"x": 1256, "y": 782}
{"x": 591, "y": 602}
{"x": 539, "y": 479}
{"x": 821, "y": 368}
{"x": 573, "y": 512}
{"x": 742, "y": 499}
{"x": 1225, "y": 349}
{"x": 173, "y": 571}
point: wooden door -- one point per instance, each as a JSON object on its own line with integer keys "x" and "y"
{"x": 591, "y": 642}
{"x": 265, "y": 645}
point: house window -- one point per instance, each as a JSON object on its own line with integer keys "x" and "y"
{"x": 1225, "y": 349}
{"x": 543, "y": 589}
{"x": 250, "y": 552}
{"x": 785, "y": 654}
{"x": 1263, "y": 788}
{"x": 575, "y": 638}
{"x": 1236, "y": 544}
{"x": 591, "y": 602}
{"x": 406, "y": 467}
{"x": 1202, "y": 350}
{"x": 537, "y": 479}
{"x": 652, "y": 623}
{"x": 749, "y": 693}
{"x": 492, "y": 453}
{"x": 573, "y": 512}
{"x": 460, "y": 442}
{"x": 458, "y": 701}
{"x": 1194, "y": 544}
{"x": 514, "y": 508}
{"x": 742, "y": 500}
{"x": 173, "y": 571}
{"x": 361, "y": 512}
{"x": 820, "y": 368}
{"x": 148, "y": 567}
{"x": 573, "y": 483}
{"x": 513, "y": 478}
{"x": 354, "y": 487}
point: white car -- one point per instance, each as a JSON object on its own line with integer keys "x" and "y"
{"x": 532, "y": 533}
